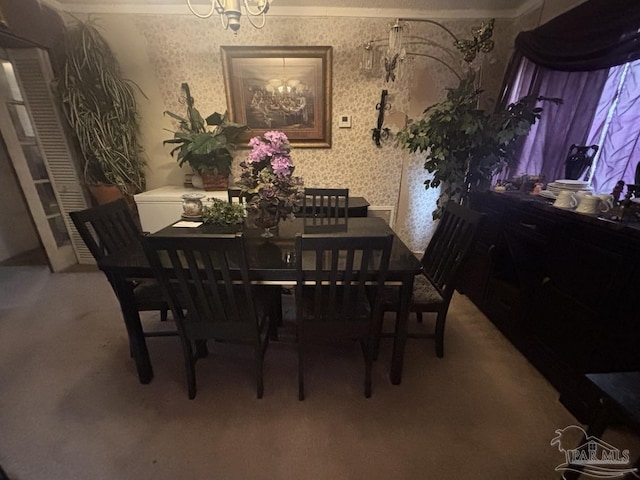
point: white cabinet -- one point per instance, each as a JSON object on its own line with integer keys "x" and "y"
{"x": 162, "y": 206}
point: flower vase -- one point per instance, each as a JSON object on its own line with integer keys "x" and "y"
{"x": 268, "y": 220}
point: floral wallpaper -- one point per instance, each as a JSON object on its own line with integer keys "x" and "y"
{"x": 162, "y": 51}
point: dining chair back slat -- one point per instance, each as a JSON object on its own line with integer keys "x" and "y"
{"x": 326, "y": 202}
{"x": 106, "y": 229}
{"x": 206, "y": 281}
{"x": 337, "y": 297}
{"x": 449, "y": 245}
{"x": 235, "y": 195}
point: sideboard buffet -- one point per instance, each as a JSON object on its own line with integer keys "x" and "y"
{"x": 561, "y": 286}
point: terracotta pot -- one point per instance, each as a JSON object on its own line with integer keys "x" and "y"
{"x": 109, "y": 193}
{"x": 214, "y": 182}
{"x": 105, "y": 193}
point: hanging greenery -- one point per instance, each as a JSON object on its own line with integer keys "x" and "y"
{"x": 100, "y": 105}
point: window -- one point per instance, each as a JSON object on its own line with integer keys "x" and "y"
{"x": 616, "y": 129}
{"x": 600, "y": 107}
{"x": 588, "y": 57}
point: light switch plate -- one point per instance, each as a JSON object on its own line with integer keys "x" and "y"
{"x": 345, "y": 121}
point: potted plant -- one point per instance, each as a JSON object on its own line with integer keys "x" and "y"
{"x": 273, "y": 192}
{"x": 220, "y": 212}
{"x": 465, "y": 146}
{"x": 205, "y": 144}
{"x": 100, "y": 105}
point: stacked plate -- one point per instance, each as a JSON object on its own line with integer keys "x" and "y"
{"x": 554, "y": 188}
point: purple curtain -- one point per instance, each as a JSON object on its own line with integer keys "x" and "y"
{"x": 545, "y": 149}
{"x": 595, "y": 35}
{"x": 575, "y": 56}
{"x": 616, "y": 128}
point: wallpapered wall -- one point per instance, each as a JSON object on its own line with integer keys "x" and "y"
{"x": 160, "y": 52}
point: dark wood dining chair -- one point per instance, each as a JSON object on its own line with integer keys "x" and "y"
{"x": 111, "y": 228}
{"x": 235, "y": 195}
{"x": 433, "y": 288}
{"x": 206, "y": 281}
{"x": 325, "y": 225}
{"x": 326, "y": 202}
{"x": 338, "y": 293}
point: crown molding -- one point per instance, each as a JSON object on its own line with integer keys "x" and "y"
{"x": 317, "y": 11}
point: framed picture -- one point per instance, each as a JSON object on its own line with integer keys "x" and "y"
{"x": 280, "y": 88}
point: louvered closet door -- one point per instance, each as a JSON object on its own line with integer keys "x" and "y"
{"x": 32, "y": 130}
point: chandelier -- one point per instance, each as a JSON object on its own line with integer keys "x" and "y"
{"x": 230, "y": 12}
{"x": 285, "y": 86}
{"x": 396, "y": 45}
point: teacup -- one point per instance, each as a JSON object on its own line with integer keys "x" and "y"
{"x": 592, "y": 204}
{"x": 566, "y": 199}
{"x": 580, "y": 194}
{"x": 607, "y": 199}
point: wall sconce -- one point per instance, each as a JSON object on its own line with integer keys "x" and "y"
{"x": 396, "y": 47}
{"x": 230, "y": 12}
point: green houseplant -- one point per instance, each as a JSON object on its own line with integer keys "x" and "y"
{"x": 100, "y": 105}
{"x": 205, "y": 144}
{"x": 220, "y": 212}
{"x": 464, "y": 145}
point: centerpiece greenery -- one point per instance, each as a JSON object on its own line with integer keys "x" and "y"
{"x": 100, "y": 105}
{"x": 220, "y": 212}
{"x": 205, "y": 144}
{"x": 273, "y": 192}
{"x": 466, "y": 146}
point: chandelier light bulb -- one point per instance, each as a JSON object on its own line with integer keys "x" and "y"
{"x": 230, "y": 12}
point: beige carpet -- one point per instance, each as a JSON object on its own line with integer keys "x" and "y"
{"x": 71, "y": 406}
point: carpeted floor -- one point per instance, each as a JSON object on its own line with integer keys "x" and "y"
{"x": 71, "y": 407}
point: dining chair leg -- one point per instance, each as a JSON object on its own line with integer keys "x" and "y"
{"x": 190, "y": 367}
{"x": 274, "y": 310}
{"x": 135, "y": 333}
{"x": 439, "y": 333}
{"x": 163, "y": 314}
{"x": 202, "y": 351}
{"x": 368, "y": 352}
{"x": 259, "y": 370}
{"x": 377, "y": 331}
{"x": 419, "y": 316}
{"x": 300, "y": 371}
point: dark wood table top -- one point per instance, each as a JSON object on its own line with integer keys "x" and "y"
{"x": 268, "y": 257}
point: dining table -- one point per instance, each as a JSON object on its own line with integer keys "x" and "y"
{"x": 271, "y": 262}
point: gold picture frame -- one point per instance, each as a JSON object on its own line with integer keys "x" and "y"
{"x": 280, "y": 88}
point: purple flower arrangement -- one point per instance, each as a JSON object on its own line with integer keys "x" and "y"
{"x": 267, "y": 180}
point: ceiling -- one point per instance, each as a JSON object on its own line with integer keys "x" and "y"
{"x": 365, "y": 8}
